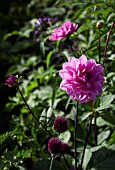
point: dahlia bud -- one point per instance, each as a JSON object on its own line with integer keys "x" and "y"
{"x": 99, "y": 25}
{"x": 65, "y": 147}
{"x": 54, "y": 145}
{"x": 12, "y": 80}
{"x": 60, "y": 124}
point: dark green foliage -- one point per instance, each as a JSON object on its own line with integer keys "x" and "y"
{"x": 21, "y": 136}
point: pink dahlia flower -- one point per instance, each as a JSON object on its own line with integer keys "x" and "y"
{"x": 62, "y": 32}
{"x": 83, "y": 79}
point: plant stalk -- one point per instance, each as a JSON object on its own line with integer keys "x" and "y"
{"x": 51, "y": 164}
{"x": 107, "y": 41}
{"x": 86, "y": 140}
{"x": 99, "y": 48}
{"x": 75, "y": 136}
{"x": 32, "y": 112}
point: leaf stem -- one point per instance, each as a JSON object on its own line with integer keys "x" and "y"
{"x": 75, "y": 136}
{"x": 32, "y": 112}
{"x": 107, "y": 41}
{"x": 86, "y": 140}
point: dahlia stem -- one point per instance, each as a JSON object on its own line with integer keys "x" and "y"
{"x": 95, "y": 130}
{"x": 99, "y": 45}
{"x": 51, "y": 163}
{"x": 94, "y": 126}
{"x": 75, "y": 136}
{"x": 32, "y": 112}
{"x": 107, "y": 41}
{"x": 86, "y": 140}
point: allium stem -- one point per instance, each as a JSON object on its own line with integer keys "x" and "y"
{"x": 51, "y": 163}
{"x": 32, "y": 112}
{"x": 99, "y": 45}
{"x": 86, "y": 140}
{"x": 75, "y": 136}
{"x": 107, "y": 41}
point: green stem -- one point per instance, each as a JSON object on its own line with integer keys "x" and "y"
{"x": 99, "y": 45}
{"x": 86, "y": 140}
{"x": 32, "y": 112}
{"x": 51, "y": 164}
{"x": 107, "y": 41}
{"x": 75, "y": 136}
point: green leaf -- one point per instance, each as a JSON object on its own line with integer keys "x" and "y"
{"x": 65, "y": 136}
{"x": 86, "y": 7}
{"x": 112, "y": 140}
{"x": 103, "y": 159}
{"x": 85, "y": 116}
{"x": 45, "y": 164}
{"x": 103, "y": 136}
{"x": 87, "y": 158}
{"x": 48, "y": 59}
{"x": 106, "y": 102}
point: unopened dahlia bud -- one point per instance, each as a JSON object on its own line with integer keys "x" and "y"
{"x": 65, "y": 147}
{"x": 99, "y": 25}
{"x": 12, "y": 80}
{"x": 54, "y": 145}
{"x": 60, "y": 124}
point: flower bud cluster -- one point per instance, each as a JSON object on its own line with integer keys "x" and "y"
{"x": 55, "y": 146}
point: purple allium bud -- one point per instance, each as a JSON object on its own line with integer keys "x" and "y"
{"x": 60, "y": 124}
{"x": 54, "y": 145}
{"x": 99, "y": 25}
{"x": 36, "y": 32}
{"x": 40, "y": 20}
{"x": 49, "y": 19}
{"x": 65, "y": 147}
{"x": 56, "y": 19}
{"x": 37, "y": 25}
{"x": 11, "y": 81}
{"x": 28, "y": 163}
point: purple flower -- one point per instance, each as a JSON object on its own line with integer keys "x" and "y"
{"x": 54, "y": 145}
{"x": 60, "y": 124}
{"x": 11, "y": 81}
{"x": 83, "y": 79}
{"x": 65, "y": 147}
{"x": 62, "y": 32}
